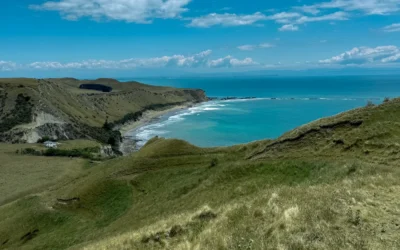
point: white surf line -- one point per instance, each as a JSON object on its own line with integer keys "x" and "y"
{"x": 154, "y": 128}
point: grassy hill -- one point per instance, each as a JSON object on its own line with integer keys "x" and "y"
{"x": 331, "y": 184}
{"x": 33, "y": 108}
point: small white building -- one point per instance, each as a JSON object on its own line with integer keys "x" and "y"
{"x": 50, "y": 144}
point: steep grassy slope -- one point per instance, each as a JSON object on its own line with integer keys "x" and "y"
{"x": 33, "y": 108}
{"x": 331, "y": 184}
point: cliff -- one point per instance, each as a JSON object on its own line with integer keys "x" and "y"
{"x": 31, "y": 109}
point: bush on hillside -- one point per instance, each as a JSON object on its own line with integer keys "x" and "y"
{"x": 45, "y": 138}
{"x": 22, "y": 113}
{"x": 30, "y": 151}
{"x": 87, "y": 153}
{"x": 107, "y": 126}
{"x": 98, "y": 87}
{"x": 214, "y": 162}
{"x": 370, "y": 104}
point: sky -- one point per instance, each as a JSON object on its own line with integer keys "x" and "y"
{"x": 89, "y": 38}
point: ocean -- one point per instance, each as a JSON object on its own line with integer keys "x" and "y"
{"x": 281, "y": 104}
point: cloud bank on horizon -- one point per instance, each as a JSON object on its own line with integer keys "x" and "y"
{"x": 356, "y": 56}
{"x": 198, "y": 60}
{"x": 258, "y": 35}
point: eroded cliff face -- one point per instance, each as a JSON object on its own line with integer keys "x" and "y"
{"x": 31, "y": 109}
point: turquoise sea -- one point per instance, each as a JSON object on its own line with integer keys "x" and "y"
{"x": 282, "y": 104}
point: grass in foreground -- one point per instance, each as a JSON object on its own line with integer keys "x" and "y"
{"x": 310, "y": 192}
{"x": 21, "y": 175}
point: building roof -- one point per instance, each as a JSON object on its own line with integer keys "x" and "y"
{"x": 50, "y": 142}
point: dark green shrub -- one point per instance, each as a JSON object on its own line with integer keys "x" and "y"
{"x": 30, "y": 151}
{"x": 137, "y": 115}
{"x": 214, "y": 162}
{"x": 370, "y": 104}
{"x": 107, "y": 126}
{"x": 84, "y": 152}
{"x": 51, "y": 152}
{"x": 352, "y": 169}
{"x": 22, "y": 113}
{"x": 45, "y": 138}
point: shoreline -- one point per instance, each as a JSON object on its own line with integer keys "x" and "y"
{"x": 128, "y": 144}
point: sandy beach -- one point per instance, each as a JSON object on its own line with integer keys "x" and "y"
{"x": 128, "y": 145}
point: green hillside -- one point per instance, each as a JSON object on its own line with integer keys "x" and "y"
{"x": 331, "y": 184}
{"x": 31, "y": 109}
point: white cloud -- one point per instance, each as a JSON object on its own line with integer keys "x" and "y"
{"x": 337, "y": 16}
{"x": 196, "y": 60}
{"x": 289, "y": 27}
{"x": 226, "y": 8}
{"x": 229, "y": 61}
{"x": 369, "y": 7}
{"x": 308, "y": 9}
{"x": 293, "y": 19}
{"x": 245, "y": 62}
{"x": 7, "y": 66}
{"x": 284, "y": 17}
{"x": 392, "y": 28}
{"x": 201, "y": 59}
{"x": 137, "y": 11}
{"x": 249, "y": 47}
{"x": 226, "y": 19}
{"x": 394, "y": 58}
{"x": 266, "y": 45}
{"x": 365, "y": 55}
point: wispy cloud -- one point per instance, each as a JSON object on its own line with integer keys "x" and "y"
{"x": 226, "y": 19}
{"x": 284, "y": 17}
{"x": 293, "y": 21}
{"x": 308, "y": 9}
{"x": 226, "y": 8}
{"x": 369, "y": 7}
{"x": 337, "y": 16}
{"x": 290, "y": 19}
{"x": 392, "y": 28}
{"x": 229, "y": 61}
{"x": 366, "y": 55}
{"x": 136, "y": 11}
{"x": 289, "y": 27}
{"x": 7, "y": 65}
{"x": 249, "y": 47}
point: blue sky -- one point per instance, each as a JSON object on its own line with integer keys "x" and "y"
{"x": 159, "y": 37}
